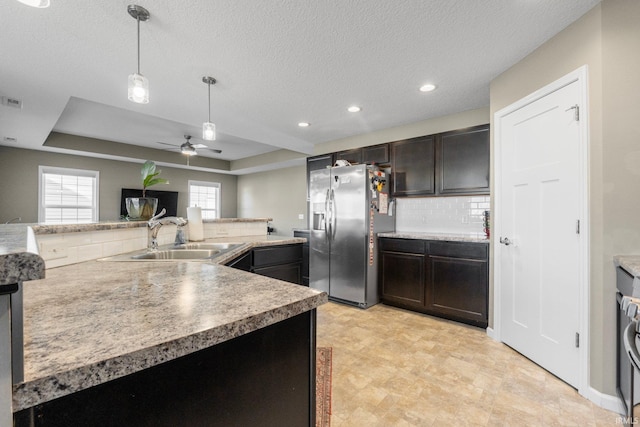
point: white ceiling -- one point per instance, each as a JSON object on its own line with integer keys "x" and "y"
{"x": 277, "y": 63}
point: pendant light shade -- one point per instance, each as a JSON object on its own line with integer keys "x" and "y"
{"x": 138, "y": 85}
{"x": 138, "y": 88}
{"x": 209, "y": 131}
{"x": 208, "y": 128}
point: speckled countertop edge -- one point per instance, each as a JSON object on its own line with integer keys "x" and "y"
{"x": 42, "y": 387}
{"x": 450, "y": 237}
{"x": 114, "y": 225}
{"x": 19, "y": 259}
{"x": 631, "y": 263}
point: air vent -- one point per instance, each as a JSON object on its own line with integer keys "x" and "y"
{"x": 9, "y": 139}
{"x": 11, "y": 102}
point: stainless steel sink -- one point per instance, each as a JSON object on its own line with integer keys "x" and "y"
{"x": 179, "y": 254}
{"x": 185, "y": 252}
{"x": 212, "y": 246}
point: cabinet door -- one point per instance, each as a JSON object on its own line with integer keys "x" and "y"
{"x": 287, "y": 272}
{"x": 463, "y": 161}
{"x": 243, "y": 262}
{"x": 276, "y": 255}
{"x": 402, "y": 278}
{"x": 378, "y": 154}
{"x": 457, "y": 289}
{"x": 352, "y": 156}
{"x": 413, "y": 167}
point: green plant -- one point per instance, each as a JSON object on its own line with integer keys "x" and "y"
{"x": 150, "y": 176}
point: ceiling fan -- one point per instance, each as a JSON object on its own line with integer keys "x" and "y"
{"x": 189, "y": 149}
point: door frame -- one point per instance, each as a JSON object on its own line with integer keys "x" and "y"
{"x": 581, "y": 77}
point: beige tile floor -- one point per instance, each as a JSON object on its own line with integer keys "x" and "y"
{"x": 393, "y": 367}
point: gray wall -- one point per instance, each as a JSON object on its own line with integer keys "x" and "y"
{"x": 607, "y": 39}
{"x": 280, "y": 194}
{"x": 19, "y": 177}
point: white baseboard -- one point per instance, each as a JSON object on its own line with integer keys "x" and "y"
{"x": 491, "y": 334}
{"x": 605, "y": 401}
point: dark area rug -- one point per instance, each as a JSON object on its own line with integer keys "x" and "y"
{"x": 323, "y": 386}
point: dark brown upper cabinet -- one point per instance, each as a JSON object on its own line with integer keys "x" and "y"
{"x": 413, "y": 167}
{"x": 378, "y": 154}
{"x": 463, "y": 161}
{"x": 352, "y": 156}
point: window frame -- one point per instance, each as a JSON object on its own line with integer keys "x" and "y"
{"x": 211, "y": 184}
{"x": 56, "y": 170}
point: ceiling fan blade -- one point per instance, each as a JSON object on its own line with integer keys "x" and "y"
{"x": 164, "y": 143}
{"x": 202, "y": 146}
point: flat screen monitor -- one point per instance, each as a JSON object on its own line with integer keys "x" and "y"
{"x": 166, "y": 199}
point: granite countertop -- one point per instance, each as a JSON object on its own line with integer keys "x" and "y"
{"x": 95, "y": 321}
{"x": 19, "y": 259}
{"x": 631, "y": 263}
{"x": 114, "y": 225}
{"x": 451, "y": 237}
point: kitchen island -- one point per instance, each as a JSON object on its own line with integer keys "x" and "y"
{"x": 167, "y": 343}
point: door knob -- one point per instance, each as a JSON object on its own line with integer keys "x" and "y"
{"x": 505, "y": 241}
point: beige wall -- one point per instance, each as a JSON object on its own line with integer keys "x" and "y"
{"x": 460, "y": 120}
{"x": 19, "y": 178}
{"x": 607, "y": 39}
{"x": 280, "y": 194}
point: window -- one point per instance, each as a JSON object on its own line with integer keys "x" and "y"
{"x": 67, "y": 196}
{"x": 205, "y": 195}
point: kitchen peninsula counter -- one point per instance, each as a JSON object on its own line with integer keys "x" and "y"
{"x": 92, "y": 322}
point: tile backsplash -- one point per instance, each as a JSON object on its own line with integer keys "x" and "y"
{"x": 463, "y": 214}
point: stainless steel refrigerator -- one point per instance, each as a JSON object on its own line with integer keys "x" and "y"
{"x": 348, "y": 206}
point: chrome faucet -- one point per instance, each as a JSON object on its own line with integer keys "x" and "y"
{"x": 18, "y": 219}
{"x": 157, "y": 222}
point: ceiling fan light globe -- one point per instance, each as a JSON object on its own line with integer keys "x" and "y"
{"x": 138, "y": 88}
{"x": 208, "y": 131}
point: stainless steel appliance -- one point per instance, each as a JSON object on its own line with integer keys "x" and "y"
{"x": 348, "y": 206}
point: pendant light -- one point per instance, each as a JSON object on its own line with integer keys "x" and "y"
{"x": 208, "y": 128}
{"x": 138, "y": 84}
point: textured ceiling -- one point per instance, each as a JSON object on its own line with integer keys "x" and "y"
{"x": 277, "y": 63}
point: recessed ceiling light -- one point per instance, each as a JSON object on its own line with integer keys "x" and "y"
{"x": 303, "y": 124}
{"x": 427, "y": 88}
{"x": 354, "y": 109}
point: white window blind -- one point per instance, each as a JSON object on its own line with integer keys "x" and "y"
{"x": 67, "y": 196}
{"x": 205, "y": 195}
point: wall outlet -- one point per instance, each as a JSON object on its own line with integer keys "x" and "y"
{"x": 300, "y": 216}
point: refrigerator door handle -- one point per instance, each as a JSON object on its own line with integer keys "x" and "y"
{"x": 332, "y": 206}
{"x": 327, "y": 205}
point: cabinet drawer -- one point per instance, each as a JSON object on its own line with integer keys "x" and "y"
{"x": 402, "y": 245}
{"x": 459, "y": 249}
{"x": 277, "y": 255}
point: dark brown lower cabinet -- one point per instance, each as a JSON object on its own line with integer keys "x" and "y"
{"x": 445, "y": 279}
{"x": 283, "y": 262}
{"x": 403, "y": 273}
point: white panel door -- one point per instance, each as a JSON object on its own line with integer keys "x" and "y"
{"x": 540, "y": 250}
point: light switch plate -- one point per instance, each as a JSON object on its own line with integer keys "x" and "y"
{"x": 300, "y": 216}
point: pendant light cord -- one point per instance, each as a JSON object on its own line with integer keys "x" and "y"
{"x": 138, "y": 19}
{"x": 209, "y": 84}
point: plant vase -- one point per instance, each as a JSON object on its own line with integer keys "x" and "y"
{"x": 141, "y": 208}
